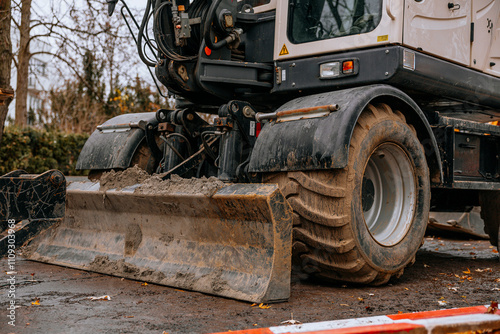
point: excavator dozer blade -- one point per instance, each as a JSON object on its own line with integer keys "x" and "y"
{"x": 235, "y": 243}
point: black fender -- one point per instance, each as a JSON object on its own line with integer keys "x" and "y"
{"x": 113, "y": 144}
{"x": 323, "y": 142}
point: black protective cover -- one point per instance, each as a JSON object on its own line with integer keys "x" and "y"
{"x": 323, "y": 143}
{"x": 107, "y": 150}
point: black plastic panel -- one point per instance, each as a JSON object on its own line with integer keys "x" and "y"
{"x": 432, "y": 78}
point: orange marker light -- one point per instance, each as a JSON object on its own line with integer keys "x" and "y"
{"x": 348, "y": 67}
{"x": 208, "y": 52}
{"x": 181, "y": 8}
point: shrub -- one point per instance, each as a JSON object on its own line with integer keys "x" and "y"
{"x": 37, "y": 151}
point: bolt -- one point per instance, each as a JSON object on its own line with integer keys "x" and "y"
{"x": 190, "y": 117}
{"x": 234, "y": 107}
{"x": 248, "y": 112}
{"x": 57, "y": 179}
{"x": 386, "y": 73}
{"x": 386, "y": 51}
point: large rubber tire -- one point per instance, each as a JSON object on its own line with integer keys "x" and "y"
{"x": 490, "y": 212}
{"x": 331, "y": 237}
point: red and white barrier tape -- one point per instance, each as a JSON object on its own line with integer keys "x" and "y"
{"x": 468, "y": 319}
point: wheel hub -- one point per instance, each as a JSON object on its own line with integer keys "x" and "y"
{"x": 368, "y": 194}
{"x": 388, "y": 194}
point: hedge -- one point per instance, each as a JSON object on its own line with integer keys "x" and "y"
{"x": 37, "y": 151}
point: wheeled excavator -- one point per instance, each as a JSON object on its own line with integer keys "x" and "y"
{"x": 336, "y": 126}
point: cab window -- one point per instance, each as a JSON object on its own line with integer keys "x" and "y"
{"x": 313, "y": 20}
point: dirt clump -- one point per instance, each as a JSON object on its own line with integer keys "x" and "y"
{"x": 176, "y": 184}
{"x": 122, "y": 179}
{"x": 154, "y": 184}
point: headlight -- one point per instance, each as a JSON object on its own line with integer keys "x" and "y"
{"x": 329, "y": 70}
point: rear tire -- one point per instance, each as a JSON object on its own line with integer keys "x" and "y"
{"x": 364, "y": 223}
{"x": 490, "y": 212}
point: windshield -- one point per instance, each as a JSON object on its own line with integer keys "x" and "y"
{"x": 312, "y": 20}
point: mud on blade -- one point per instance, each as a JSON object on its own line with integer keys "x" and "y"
{"x": 236, "y": 243}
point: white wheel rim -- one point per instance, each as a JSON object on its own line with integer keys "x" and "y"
{"x": 388, "y": 194}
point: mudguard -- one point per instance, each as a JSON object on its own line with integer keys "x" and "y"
{"x": 323, "y": 142}
{"x": 113, "y": 144}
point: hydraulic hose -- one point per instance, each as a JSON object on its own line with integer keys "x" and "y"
{"x": 207, "y": 27}
{"x": 139, "y": 37}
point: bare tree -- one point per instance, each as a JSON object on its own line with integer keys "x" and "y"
{"x": 23, "y": 59}
{"x": 70, "y": 28}
{"x": 5, "y": 59}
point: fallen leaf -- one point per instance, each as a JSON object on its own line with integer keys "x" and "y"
{"x": 467, "y": 271}
{"x": 360, "y": 299}
{"x": 254, "y": 304}
{"x": 290, "y": 322}
{"x": 407, "y": 289}
{"x": 400, "y": 312}
{"x": 144, "y": 284}
{"x": 442, "y": 302}
{"x": 255, "y": 325}
{"x": 36, "y": 302}
{"x": 453, "y": 289}
{"x": 344, "y": 305}
{"x": 436, "y": 249}
{"x": 495, "y": 289}
{"x": 492, "y": 308}
{"x": 129, "y": 316}
{"x": 494, "y": 251}
{"x": 371, "y": 294}
{"x": 264, "y": 306}
{"x": 105, "y": 297}
{"x": 426, "y": 266}
{"x": 497, "y": 280}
